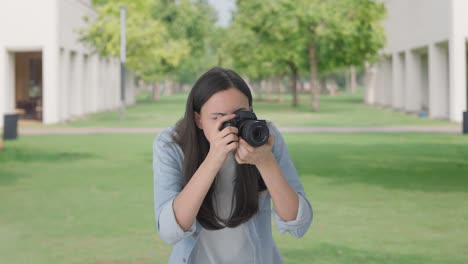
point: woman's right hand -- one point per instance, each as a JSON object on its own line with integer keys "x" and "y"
{"x": 224, "y": 141}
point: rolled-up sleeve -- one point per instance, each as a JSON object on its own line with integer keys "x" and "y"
{"x": 299, "y": 226}
{"x": 168, "y": 182}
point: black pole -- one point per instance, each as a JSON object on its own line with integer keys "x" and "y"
{"x": 465, "y": 122}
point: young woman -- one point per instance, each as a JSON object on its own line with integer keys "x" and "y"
{"x": 212, "y": 190}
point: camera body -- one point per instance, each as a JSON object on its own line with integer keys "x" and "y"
{"x": 253, "y": 131}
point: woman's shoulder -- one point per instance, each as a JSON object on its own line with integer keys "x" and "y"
{"x": 165, "y": 135}
{"x": 165, "y": 138}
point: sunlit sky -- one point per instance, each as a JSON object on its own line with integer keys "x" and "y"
{"x": 224, "y": 8}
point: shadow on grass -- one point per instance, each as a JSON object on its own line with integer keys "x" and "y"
{"x": 327, "y": 253}
{"x": 8, "y": 176}
{"x": 15, "y": 156}
{"x": 409, "y": 166}
{"x": 26, "y": 155}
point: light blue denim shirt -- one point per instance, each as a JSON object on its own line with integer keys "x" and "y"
{"x": 168, "y": 182}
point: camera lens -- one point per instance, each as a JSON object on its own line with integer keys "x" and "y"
{"x": 255, "y": 132}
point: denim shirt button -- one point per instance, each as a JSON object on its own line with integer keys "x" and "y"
{"x": 195, "y": 234}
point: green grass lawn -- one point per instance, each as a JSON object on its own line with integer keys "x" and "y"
{"x": 343, "y": 110}
{"x": 377, "y": 198}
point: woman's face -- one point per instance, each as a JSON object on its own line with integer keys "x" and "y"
{"x": 221, "y": 103}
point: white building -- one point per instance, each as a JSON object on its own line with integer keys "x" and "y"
{"x": 424, "y": 65}
{"x": 45, "y": 72}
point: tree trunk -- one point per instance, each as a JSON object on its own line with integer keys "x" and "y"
{"x": 263, "y": 88}
{"x": 269, "y": 87}
{"x": 169, "y": 87}
{"x": 314, "y": 87}
{"x": 156, "y": 91}
{"x": 348, "y": 81}
{"x": 258, "y": 89}
{"x": 353, "y": 80}
{"x": 281, "y": 89}
{"x": 293, "y": 81}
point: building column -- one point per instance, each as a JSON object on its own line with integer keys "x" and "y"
{"x": 457, "y": 60}
{"x": 380, "y": 83}
{"x": 388, "y": 82}
{"x": 3, "y": 82}
{"x": 7, "y": 83}
{"x": 413, "y": 87}
{"x": 94, "y": 82}
{"x": 86, "y": 95}
{"x": 457, "y": 79}
{"x": 438, "y": 82}
{"x": 129, "y": 88}
{"x": 51, "y": 84}
{"x": 115, "y": 84}
{"x": 64, "y": 84}
{"x": 78, "y": 85}
{"x": 398, "y": 81}
{"x": 102, "y": 86}
{"x": 370, "y": 83}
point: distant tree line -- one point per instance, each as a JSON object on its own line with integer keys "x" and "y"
{"x": 271, "y": 43}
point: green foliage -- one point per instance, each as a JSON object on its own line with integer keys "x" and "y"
{"x": 163, "y": 37}
{"x": 344, "y": 32}
{"x": 193, "y": 22}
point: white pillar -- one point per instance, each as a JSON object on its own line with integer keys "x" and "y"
{"x": 3, "y": 82}
{"x": 85, "y": 85}
{"x": 94, "y": 81}
{"x": 457, "y": 61}
{"x": 424, "y": 81}
{"x": 78, "y": 86}
{"x": 438, "y": 82}
{"x": 72, "y": 85}
{"x": 7, "y": 83}
{"x": 51, "y": 84}
{"x": 413, "y": 88}
{"x": 398, "y": 81}
{"x": 64, "y": 106}
{"x": 370, "y": 83}
{"x": 380, "y": 80}
{"x": 115, "y": 84}
{"x": 388, "y": 82}
{"x": 101, "y": 91}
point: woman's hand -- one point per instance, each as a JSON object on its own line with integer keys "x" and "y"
{"x": 246, "y": 154}
{"x": 223, "y": 141}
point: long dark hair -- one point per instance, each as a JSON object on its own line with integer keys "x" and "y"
{"x": 195, "y": 146}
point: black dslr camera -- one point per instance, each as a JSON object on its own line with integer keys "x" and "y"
{"x": 252, "y": 130}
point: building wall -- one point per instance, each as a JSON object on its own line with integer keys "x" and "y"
{"x": 427, "y": 43}
{"x": 20, "y": 24}
{"x": 76, "y": 81}
{"x": 415, "y": 23}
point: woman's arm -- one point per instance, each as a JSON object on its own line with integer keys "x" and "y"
{"x": 285, "y": 199}
{"x": 292, "y": 211}
{"x": 188, "y": 202}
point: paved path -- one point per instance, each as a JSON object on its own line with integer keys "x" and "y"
{"x": 123, "y": 130}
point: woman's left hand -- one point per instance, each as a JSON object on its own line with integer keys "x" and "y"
{"x": 246, "y": 154}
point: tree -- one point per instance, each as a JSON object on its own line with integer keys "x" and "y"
{"x": 321, "y": 35}
{"x": 150, "y": 48}
{"x": 193, "y": 22}
{"x": 340, "y": 33}
{"x": 264, "y": 42}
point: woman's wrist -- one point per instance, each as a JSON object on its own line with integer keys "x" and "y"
{"x": 213, "y": 161}
{"x": 266, "y": 161}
